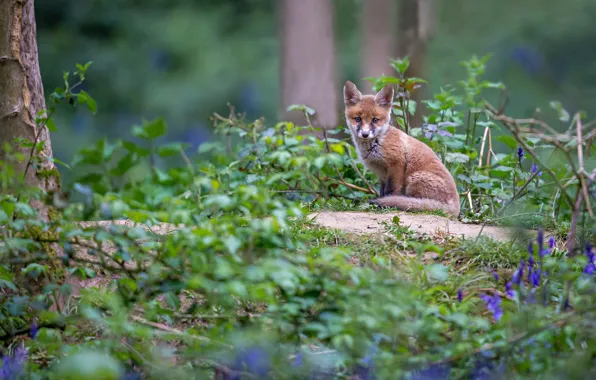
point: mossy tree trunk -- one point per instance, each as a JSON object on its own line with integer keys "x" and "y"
{"x": 21, "y": 100}
{"x": 22, "y": 97}
{"x": 308, "y": 70}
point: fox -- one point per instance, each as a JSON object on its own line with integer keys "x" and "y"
{"x": 411, "y": 177}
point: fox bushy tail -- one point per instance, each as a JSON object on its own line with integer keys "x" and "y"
{"x": 418, "y": 204}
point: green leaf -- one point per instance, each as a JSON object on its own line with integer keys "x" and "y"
{"x": 301, "y": 107}
{"x": 457, "y": 157}
{"x": 91, "y": 104}
{"x": 124, "y": 165}
{"x": 151, "y": 130}
{"x": 507, "y": 140}
{"x": 171, "y": 149}
{"x": 438, "y": 272}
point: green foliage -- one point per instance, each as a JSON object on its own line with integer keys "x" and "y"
{"x": 217, "y": 271}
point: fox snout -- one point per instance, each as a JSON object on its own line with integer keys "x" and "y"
{"x": 366, "y": 132}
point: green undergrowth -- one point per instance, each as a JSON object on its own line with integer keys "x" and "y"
{"x": 248, "y": 285}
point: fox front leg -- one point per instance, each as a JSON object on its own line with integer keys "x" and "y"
{"x": 382, "y": 187}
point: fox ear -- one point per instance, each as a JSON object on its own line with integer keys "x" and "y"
{"x": 385, "y": 96}
{"x": 351, "y": 94}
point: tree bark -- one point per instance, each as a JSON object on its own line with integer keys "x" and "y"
{"x": 22, "y": 96}
{"x": 308, "y": 61}
{"x": 378, "y": 44}
{"x": 415, "y": 24}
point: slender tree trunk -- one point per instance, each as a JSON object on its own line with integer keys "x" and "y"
{"x": 378, "y": 44}
{"x": 415, "y": 23}
{"x": 22, "y": 96}
{"x": 308, "y": 61}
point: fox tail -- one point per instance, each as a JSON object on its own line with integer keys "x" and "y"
{"x": 418, "y": 204}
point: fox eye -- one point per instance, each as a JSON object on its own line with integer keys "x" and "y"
{"x": 358, "y": 119}
{"x": 375, "y": 120}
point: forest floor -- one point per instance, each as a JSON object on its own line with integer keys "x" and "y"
{"x": 371, "y": 223}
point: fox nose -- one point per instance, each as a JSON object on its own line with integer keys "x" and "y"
{"x": 365, "y": 134}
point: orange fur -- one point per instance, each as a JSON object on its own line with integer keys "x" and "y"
{"x": 410, "y": 174}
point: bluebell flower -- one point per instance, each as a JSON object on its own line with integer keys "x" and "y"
{"x": 34, "y": 329}
{"x": 432, "y": 372}
{"x": 590, "y": 268}
{"x": 520, "y": 152}
{"x": 14, "y": 366}
{"x": 551, "y": 242}
{"x": 254, "y": 360}
{"x": 298, "y": 360}
{"x": 493, "y": 304}
{"x": 536, "y": 278}
{"x": 531, "y": 248}
{"x": 496, "y": 276}
{"x": 509, "y": 290}
{"x": 534, "y": 168}
{"x": 519, "y": 273}
{"x": 540, "y": 239}
{"x": 460, "y": 295}
{"x": 544, "y": 252}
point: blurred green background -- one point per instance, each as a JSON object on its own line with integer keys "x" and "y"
{"x": 184, "y": 59}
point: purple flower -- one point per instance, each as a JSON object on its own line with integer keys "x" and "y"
{"x": 509, "y": 290}
{"x": 496, "y": 276}
{"x": 493, "y": 304}
{"x": 531, "y": 248}
{"x": 13, "y": 366}
{"x": 536, "y": 278}
{"x": 590, "y": 268}
{"x": 34, "y": 329}
{"x": 534, "y": 168}
{"x": 520, "y": 152}
{"x": 460, "y": 295}
{"x": 519, "y": 273}
{"x": 551, "y": 242}
{"x": 540, "y": 239}
{"x": 544, "y": 252}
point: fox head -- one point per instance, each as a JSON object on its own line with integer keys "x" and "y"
{"x": 367, "y": 116}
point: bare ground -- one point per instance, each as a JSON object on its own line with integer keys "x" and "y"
{"x": 369, "y": 223}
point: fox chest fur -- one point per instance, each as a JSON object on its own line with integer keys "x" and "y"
{"x": 373, "y": 156}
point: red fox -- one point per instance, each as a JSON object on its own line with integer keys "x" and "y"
{"x": 410, "y": 174}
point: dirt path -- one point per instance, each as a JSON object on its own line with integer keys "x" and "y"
{"x": 365, "y": 223}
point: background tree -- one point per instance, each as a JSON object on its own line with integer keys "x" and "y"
{"x": 308, "y": 60}
{"x": 378, "y": 43}
{"x": 414, "y": 31}
{"x": 22, "y": 96}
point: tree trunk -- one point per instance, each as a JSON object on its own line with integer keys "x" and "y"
{"x": 308, "y": 61}
{"x": 378, "y": 44}
{"x": 415, "y": 23}
{"x": 22, "y": 96}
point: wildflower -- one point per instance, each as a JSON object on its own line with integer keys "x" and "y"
{"x": 13, "y": 366}
{"x": 540, "y": 239}
{"x": 531, "y": 248}
{"x": 34, "y": 329}
{"x": 496, "y": 276}
{"x": 460, "y": 295}
{"x": 509, "y": 290}
{"x": 551, "y": 242}
{"x": 590, "y": 268}
{"x": 254, "y": 360}
{"x": 536, "y": 278}
{"x": 534, "y": 168}
{"x": 520, "y": 153}
{"x": 519, "y": 273}
{"x": 493, "y": 304}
